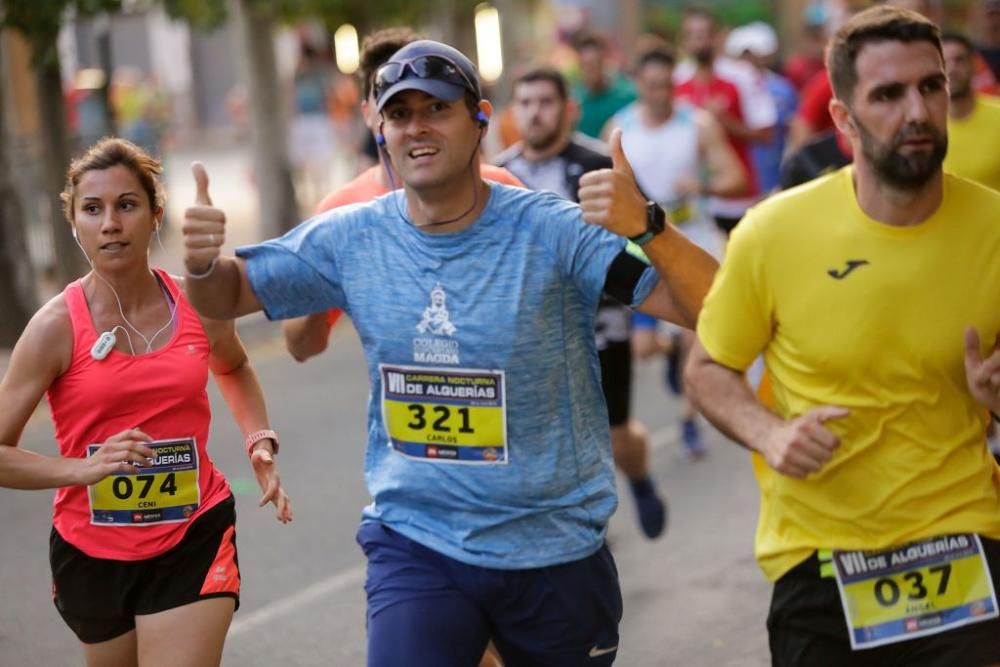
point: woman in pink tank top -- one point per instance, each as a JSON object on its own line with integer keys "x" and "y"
{"x": 143, "y": 542}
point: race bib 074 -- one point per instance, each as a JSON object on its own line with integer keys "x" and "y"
{"x": 166, "y": 490}
{"x": 916, "y": 589}
{"x": 445, "y": 415}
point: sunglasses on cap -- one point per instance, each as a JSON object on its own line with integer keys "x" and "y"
{"x": 433, "y": 67}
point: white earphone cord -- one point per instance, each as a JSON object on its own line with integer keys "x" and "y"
{"x": 149, "y": 341}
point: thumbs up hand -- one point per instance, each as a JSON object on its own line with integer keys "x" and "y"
{"x": 610, "y": 197}
{"x": 204, "y": 227}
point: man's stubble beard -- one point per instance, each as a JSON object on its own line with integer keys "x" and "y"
{"x": 704, "y": 57}
{"x": 898, "y": 170}
{"x": 548, "y": 141}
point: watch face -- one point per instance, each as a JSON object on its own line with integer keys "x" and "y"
{"x": 656, "y": 219}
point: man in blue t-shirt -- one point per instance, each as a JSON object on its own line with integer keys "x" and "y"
{"x": 488, "y": 455}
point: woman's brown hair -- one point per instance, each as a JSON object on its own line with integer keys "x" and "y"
{"x": 107, "y": 153}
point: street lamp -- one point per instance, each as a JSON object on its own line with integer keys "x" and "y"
{"x": 488, "y": 49}
{"x": 345, "y": 42}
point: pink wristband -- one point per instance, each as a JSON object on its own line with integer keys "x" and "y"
{"x": 257, "y": 436}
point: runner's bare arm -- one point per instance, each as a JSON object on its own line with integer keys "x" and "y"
{"x": 241, "y": 390}
{"x": 740, "y": 416}
{"x": 741, "y": 130}
{"x": 686, "y": 273}
{"x": 307, "y": 336}
{"x": 610, "y": 198}
{"x": 226, "y": 293}
{"x": 795, "y": 447}
{"x": 727, "y": 178}
{"x": 222, "y": 291}
{"x": 41, "y": 355}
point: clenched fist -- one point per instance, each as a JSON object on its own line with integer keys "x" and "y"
{"x": 803, "y": 445}
{"x": 122, "y": 452}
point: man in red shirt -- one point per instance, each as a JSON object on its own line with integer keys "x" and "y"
{"x": 721, "y": 97}
{"x": 814, "y": 116}
{"x": 803, "y": 64}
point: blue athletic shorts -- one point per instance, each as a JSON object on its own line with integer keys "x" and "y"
{"x": 428, "y": 610}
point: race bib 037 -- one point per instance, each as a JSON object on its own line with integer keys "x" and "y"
{"x": 916, "y": 589}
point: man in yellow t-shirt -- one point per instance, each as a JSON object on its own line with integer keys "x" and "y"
{"x": 973, "y": 120}
{"x": 880, "y": 511}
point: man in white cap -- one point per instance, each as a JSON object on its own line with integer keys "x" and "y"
{"x": 757, "y": 44}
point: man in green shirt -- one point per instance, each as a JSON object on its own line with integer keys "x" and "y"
{"x": 600, "y": 92}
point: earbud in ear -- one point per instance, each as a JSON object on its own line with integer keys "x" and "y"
{"x": 380, "y": 139}
{"x": 75, "y": 234}
{"x": 105, "y": 343}
{"x": 481, "y": 117}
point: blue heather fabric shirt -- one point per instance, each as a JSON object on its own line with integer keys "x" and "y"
{"x": 515, "y": 292}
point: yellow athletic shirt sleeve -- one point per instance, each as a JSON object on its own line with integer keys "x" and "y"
{"x": 735, "y": 322}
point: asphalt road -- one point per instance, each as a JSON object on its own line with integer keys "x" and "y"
{"x": 692, "y": 598}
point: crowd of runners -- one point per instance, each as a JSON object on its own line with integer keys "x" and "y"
{"x": 814, "y": 253}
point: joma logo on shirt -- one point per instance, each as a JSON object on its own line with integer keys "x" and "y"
{"x": 851, "y": 265}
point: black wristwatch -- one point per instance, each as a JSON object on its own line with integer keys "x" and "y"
{"x": 656, "y": 222}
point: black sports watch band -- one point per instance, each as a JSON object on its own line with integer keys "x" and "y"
{"x": 656, "y": 222}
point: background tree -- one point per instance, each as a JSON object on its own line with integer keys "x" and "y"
{"x": 17, "y": 285}
{"x": 268, "y": 123}
{"x": 257, "y": 20}
{"x": 279, "y": 210}
{"x": 40, "y": 22}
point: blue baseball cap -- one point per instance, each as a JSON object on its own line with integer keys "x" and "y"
{"x": 428, "y": 66}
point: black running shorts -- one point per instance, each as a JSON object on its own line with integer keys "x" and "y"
{"x": 616, "y": 380}
{"x": 726, "y": 224}
{"x": 99, "y": 598}
{"x": 806, "y": 626}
